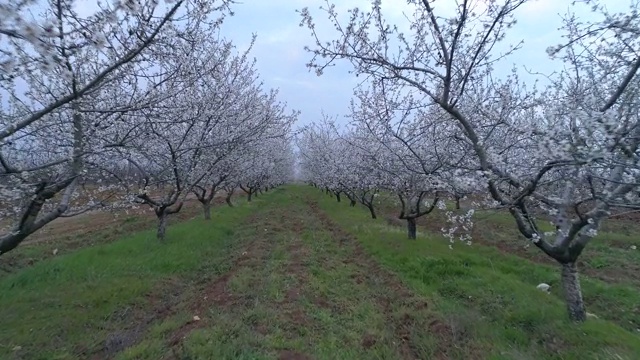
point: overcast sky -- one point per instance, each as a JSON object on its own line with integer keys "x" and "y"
{"x": 281, "y": 57}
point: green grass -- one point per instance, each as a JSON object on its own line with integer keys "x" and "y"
{"x": 69, "y": 304}
{"x": 609, "y": 257}
{"x": 294, "y": 272}
{"x": 495, "y": 296}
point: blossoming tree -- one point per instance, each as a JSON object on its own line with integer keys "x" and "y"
{"x": 570, "y": 150}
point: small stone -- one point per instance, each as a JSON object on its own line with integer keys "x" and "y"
{"x": 55, "y": 252}
{"x": 632, "y": 247}
{"x": 196, "y": 318}
{"x": 543, "y": 287}
{"x": 17, "y": 348}
{"x": 591, "y": 316}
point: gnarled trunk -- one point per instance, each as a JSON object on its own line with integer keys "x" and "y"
{"x": 206, "y": 208}
{"x": 372, "y": 211}
{"x": 32, "y": 219}
{"x": 228, "y": 199}
{"x": 411, "y": 228}
{"x": 162, "y": 225}
{"x": 250, "y": 193}
{"x": 572, "y": 292}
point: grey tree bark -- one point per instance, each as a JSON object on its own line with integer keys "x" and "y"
{"x": 411, "y": 228}
{"x": 162, "y": 213}
{"x": 572, "y": 292}
{"x": 372, "y": 211}
{"x": 162, "y": 226}
{"x": 206, "y": 207}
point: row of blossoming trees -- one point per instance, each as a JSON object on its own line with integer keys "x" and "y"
{"x": 434, "y": 120}
{"x": 137, "y": 102}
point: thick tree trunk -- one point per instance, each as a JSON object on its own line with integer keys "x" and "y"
{"x": 228, "y": 199}
{"x": 411, "y": 228}
{"x": 338, "y": 197}
{"x": 206, "y": 207}
{"x": 573, "y": 293}
{"x": 249, "y": 195}
{"x": 372, "y": 211}
{"x": 162, "y": 226}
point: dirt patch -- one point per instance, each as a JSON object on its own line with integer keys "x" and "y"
{"x": 296, "y": 268}
{"x": 217, "y": 292}
{"x": 170, "y": 297}
{"x": 368, "y": 341}
{"x": 294, "y": 315}
{"x": 162, "y": 302}
{"x": 293, "y": 355}
{"x": 447, "y": 339}
{"x": 322, "y": 302}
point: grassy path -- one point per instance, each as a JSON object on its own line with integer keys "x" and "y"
{"x": 302, "y": 289}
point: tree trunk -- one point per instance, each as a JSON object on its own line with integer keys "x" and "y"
{"x": 228, "y": 199}
{"x": 457, "y": 203}
{"x": 249, "y": 195}
{"x": 372, "y": 211}
{"x": 352, "y": 203}
{"x": 206, "y": 207}
{"x": 338, "y": 197}
{"x": 573, "y": 293}
{"x": 162, "y": 226}
{"x": 411, "y": 228}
